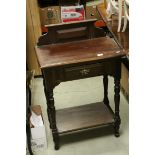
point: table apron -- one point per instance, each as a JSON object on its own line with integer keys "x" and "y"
{"x": 53, "y": 76}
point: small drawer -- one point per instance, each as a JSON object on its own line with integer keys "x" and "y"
{"x": 84, "y": 71}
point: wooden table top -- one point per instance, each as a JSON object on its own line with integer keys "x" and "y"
{"x": 78, "y": 51}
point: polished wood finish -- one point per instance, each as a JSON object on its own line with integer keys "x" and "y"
{"x": 117, "y": 102}
{"x": 105, "y": 84}
{"x": 80, "y": 51}
{"x": 122, "y": 38}
{"x": 77, "y": 58}
{"x": 51, "y": 115}
{"x": 83, "y": 117}
{"x": 51, "y": 111}
{"x": 72, "y": 31}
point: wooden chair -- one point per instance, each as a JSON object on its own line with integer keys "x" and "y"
{"x": 116, "y": 7}
{"x": 126, "y": 14}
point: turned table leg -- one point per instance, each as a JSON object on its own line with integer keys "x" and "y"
{"x": 105, "y": 83}
{"x": 46, "y": 100}
{"x": 117, "y": 102}
{"x": 52, "y": 115}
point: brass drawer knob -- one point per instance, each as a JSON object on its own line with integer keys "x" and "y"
{"x": 85, "y": 71}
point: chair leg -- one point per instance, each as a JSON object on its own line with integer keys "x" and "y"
{"x": 119, "y": 16}
{"x": 125, "y": 24}
{"x": 109, "y": 11}
{"x": 126, "y": 17}
{"x": 119, "y": 24}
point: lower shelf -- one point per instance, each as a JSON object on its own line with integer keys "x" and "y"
{"x": 83, "y": 117}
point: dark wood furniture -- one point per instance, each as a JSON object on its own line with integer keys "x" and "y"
{"x": 75, "y": 51}
{"x": 122, "y": 38}
{"x": 29, "y": 75}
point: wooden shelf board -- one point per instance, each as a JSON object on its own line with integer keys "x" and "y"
{"x": 83, "y": 117}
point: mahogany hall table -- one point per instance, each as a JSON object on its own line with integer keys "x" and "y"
{"x": 94, "y": 55}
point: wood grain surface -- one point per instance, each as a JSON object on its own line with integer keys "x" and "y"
{"x": 83, "y": 117}
{"x": 78, "y": 51}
